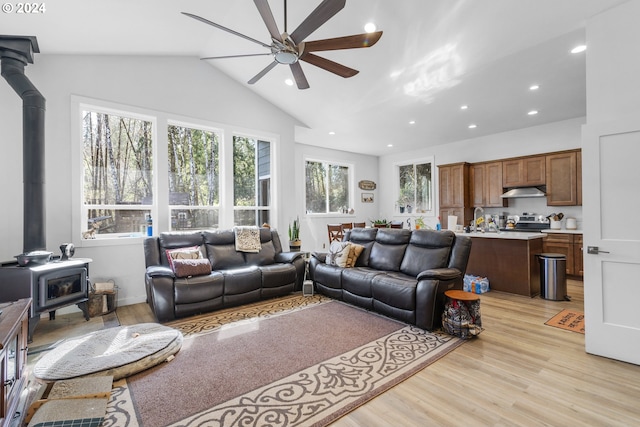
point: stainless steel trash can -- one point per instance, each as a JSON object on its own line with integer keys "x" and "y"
{"x": 553, "y": 276}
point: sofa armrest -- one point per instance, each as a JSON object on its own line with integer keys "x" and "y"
{"x": 320, "y": 256}
{"x": 445, "y": 274}
{"x": 288, "y": 257}
{"x": 160, "y": 271}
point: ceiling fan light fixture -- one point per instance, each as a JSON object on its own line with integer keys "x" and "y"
{"x": 285, "y": 57}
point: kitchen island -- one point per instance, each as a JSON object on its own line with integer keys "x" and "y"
{"x": 508, "y": 259}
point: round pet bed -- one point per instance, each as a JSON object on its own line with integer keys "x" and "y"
{"x": 119, "y": 352}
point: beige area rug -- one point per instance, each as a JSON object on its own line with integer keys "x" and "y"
{"x": 569, "y": 320}
{"x": 288, "y": 362}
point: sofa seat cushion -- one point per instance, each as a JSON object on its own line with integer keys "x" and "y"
{"x": 199, "y": 288}
{"x": 358, "y": 280}
{"x": 242, "y": 280}
{"x": 328, "y": 275}
{"x": 396, "y": 290}
{"x": 277, "y": 275}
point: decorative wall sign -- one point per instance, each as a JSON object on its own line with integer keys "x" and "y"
{"x": 367, "y": 185}
{"x": 367, "y": 198}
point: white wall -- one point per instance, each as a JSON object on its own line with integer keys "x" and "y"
{"x": 563, "y": 135}
{"x": 313, "y": 232}
{"x": 183, "y": 86}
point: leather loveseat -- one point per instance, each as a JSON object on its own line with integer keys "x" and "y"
{"x": 399, "y": 273}
{"x": 233, "y": 278}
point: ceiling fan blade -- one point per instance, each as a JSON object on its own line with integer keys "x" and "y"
{"x": 298, "y": 75}
{"x": 329, "y": 65}
{"x": 319, "y": 16}
{"x": 262, "y": 73}
{"x": 235, "y": 56}
{"x": 346, "y": 42}
{"x": 269, "y": 20}
{"x": 206, "y": 21}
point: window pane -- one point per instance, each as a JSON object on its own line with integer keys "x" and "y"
{"x": 316, "y": 190}
{"x": 117, "y": 159}
{"x": 251, "y": 217}
{"x": 194, "y": 219}
{"x": 406, "y": 177}
{"x": 423, "y": 187}
{"x": 251, "y": 172}
{"x": 193, "y": 167}
{"x": 112, "y": 221}
{"x": 338, "y": 188}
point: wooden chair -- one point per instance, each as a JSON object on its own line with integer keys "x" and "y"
{"x": 346, "y": 226}
{"x": 335, "y": 232}
{"x": 359, "y": 224}
{"x": 396, "y": 224}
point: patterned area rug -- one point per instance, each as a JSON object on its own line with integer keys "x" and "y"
{"x": 569, "y": 320}
{"x": 316, "y": 369}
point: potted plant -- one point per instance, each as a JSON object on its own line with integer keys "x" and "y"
{"x": 294, "y": 235}
{"x": 420, "y": 223}
{"x": 379, "y": 223}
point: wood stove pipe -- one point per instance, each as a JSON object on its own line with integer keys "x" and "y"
{"x": 15, "y": 53}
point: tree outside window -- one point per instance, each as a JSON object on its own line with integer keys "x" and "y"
{"x": 194, "y": 176}
{"x": 327, "y": 187}
{"x": 117, "y": 172}
{"x": 415, "y": 187}
{"x": 251, "y": 181}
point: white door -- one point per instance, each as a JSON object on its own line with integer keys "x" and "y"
{"x": 611, "y": 210}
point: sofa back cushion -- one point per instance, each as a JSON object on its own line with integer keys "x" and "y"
{"x": 267, "y": 253}
{"x": 221, "y": 250}
{"x": 388, "y": 249}
{"x": 365, "y": 237}
{"x": 175, "y": 240}
{"x": 427, "y": 249}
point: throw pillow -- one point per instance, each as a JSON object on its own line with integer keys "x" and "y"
{"x": 338, "y": 254}
{"x": 354, "y": 253}
{"x": 191, "y": 267}
{"x": 192, "y": 252}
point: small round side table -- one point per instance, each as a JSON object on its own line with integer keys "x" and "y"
{"x": 461, "y": 315}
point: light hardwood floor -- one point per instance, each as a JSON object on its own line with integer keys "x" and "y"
{"x": 518, "y": 372}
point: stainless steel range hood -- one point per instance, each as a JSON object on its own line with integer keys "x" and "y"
{"x": 523, "y": 192}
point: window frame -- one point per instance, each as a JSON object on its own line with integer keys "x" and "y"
{"x": 350, "y": 185}
{"x": 396, "y": 189}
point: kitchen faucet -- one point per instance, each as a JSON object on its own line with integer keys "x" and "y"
{"x": 475, "y": 220}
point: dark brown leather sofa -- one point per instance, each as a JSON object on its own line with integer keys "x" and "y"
{"x": 236, "y": 277}
{"x": 400, "y": 273}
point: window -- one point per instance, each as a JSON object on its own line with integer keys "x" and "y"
{"x": 194, "y": 177}
{"x": 415, "y": 187}
{"x": 117, "y": 161}
{"x": 251, "y": 181}
{"x": 327, "y": 187}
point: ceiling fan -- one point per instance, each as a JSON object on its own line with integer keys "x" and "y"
{"x": 289, "y": 49}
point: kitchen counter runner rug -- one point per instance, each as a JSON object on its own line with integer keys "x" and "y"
{"x": 292, "y": 361}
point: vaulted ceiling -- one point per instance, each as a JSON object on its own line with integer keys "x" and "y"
{"x": 434, "y": 57}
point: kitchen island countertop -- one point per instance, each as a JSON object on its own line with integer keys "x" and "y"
{"x": 507, "y": 235}
{"x": 562, "y": 231}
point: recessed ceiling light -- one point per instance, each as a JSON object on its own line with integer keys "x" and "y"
{"x": 389, "y": 145}
{"x": 412, "y": 122}
{"x": 534, "y": 87}
{"x": 473, "y": 126}
{"x": 370, "y": 27}
{"x": 532, "y": 112}
{"x": 579, "y": 48}
{"x": 288, "y": 82}
{"x": 464, "y": 107}
{"x": 332, "y": 133}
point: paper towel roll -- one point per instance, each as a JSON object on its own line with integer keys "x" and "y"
{"x": 451, "y": 222}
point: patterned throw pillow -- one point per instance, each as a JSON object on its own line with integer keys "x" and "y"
{"x": 192, "y": 252}
{"x": 191, "y": 267}
{"x": 338, "y": 254}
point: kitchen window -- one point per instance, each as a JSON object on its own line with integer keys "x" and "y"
{"x": 415, "y": 187}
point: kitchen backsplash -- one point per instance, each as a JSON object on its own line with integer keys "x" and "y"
{"x": 539, "y": 206}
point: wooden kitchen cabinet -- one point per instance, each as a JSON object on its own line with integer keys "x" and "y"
{"x": 524, "y": 172}
{"x": 486, "y": 185}
{"x": 14, "y": 329}
{"x": 569, "y": 245}
{"x": 562, "y": 179}
{"x": 454, "y": 193}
